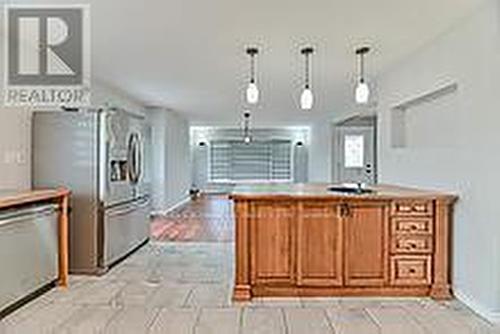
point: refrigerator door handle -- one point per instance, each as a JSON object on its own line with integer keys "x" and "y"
{"x": 131, "y": 207}
{"x": 139, "y": 158}
{"x": 133, "y": 158}
{"x": 121, "y": 212}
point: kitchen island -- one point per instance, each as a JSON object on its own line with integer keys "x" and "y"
{"x": 305, "y": 240}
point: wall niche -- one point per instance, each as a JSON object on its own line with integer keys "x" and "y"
{"x": 426, "y": 121}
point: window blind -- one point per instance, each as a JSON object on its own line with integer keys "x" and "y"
{"x": 233, "y": 161}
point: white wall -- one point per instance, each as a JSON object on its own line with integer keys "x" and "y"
{"x": 171, "y": 175}
{"x": 320, "y": 156}
{"x": 15, "y": 148}
{"x": 454, "y": 144}
{"x": 104, "y": 95}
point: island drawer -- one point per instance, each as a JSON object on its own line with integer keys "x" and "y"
{"x": 411, "y": 270}
{"x": 412, "y": 225}
{"x": 412, "y": 208}
{"x": 408, "y": 244}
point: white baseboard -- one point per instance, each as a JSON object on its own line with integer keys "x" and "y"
{"x": 489, "y": 315}
{"x": 180, "y": 203}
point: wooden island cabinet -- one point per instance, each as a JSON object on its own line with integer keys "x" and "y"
{"x": 303, "y": 240}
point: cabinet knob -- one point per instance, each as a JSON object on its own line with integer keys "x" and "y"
{"x": 412, "y": 246}
{"x": 344, "y": 210}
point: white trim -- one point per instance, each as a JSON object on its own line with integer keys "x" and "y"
{"x": 489, "y": 315}
{"x": 173, "y": 207}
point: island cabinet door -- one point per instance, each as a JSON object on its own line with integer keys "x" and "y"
{"x": 366, "y": 230}
{"x": 319, "y": 244}
{"x": 272, "y": 236}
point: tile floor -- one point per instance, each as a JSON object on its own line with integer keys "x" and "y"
{"x": 182, "y": 288}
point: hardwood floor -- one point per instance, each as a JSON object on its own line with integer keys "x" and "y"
{"x": 206, "y": 219}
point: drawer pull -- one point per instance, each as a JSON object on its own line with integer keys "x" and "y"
{"x": 405, "y": 208}
{"x": 412, "y": 271}
{"x": 412, "y": 225}
{"x": 424, "y": 208}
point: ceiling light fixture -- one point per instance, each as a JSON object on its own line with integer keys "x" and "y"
{"x": 362, "y": 93}
{"x": 247, "y": 138}
{"x": 252, "y": 90}
{"x": 307, "y": 99}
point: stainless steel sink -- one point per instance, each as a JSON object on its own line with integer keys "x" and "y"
{"x": 356, "y": 189}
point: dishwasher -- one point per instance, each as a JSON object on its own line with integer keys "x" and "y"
{"x": 28, "y": 251}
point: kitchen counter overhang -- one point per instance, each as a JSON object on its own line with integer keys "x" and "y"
{"x": 319, "y": 191}
{"x": 304, "y": 240}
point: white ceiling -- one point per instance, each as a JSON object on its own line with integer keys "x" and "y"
{"x": 188, "y": 55}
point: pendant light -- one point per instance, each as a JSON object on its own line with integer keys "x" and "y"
{"x": 362, "y": 93}
{"x": 307, "y": 99}
{"x": 252, "y": 90}
{"x": 247, "y": 138}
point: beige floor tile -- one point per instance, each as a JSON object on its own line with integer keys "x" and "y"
{"x": 351, "y": 321}
{"x": 218, "y": 321}
{"x": 276, "y": 302}
{"x": 132, "y": 320}
{"x": 263, "y": 321}
{"x": 307, "y": 320}
{"x": 320, "y": 302}
{"x": 175, "y": 321}
{"x": 98, "y": 293}
{"x": 209, "y": 295}
{"x": 437, "y": 319}
{"x": 395, "y": 320}
{"x": 43, "y": 321}
{"x": 170, "y": 295}
{"x": 28, "y": 311}
{"x": 361, "y": 302}
{"x": 90, "y": 319}
{"x": 136, "y": 293}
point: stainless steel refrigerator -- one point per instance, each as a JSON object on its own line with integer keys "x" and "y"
{"x": 99, "y": 155}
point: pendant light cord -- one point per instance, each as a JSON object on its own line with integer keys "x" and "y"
{"x": 246, "y": 125}
{"x": 252, "y": 68}
{"x": 362, "y": 68}
{"x": 307, "y": 71}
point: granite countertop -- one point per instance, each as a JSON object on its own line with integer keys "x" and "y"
{"x": 320, "y": 191}
{"x": 9, "y": 198}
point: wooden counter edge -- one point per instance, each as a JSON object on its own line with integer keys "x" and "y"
{"x": 63, "y": 239}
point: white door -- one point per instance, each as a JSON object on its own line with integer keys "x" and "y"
{"x": 356, "y": 154}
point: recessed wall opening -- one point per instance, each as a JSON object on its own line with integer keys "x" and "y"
{"x": 426, "y": 121}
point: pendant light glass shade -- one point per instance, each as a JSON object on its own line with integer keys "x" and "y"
{"x": 306, "y": 99}
{"x": 252, "y": 93}
{"x": 362, "y": 93}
